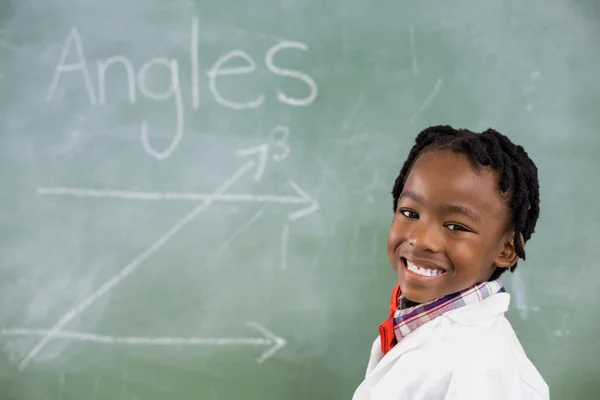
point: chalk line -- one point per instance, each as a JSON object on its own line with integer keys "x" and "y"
{"x": 428, "y": 100}
{"x": 312, "y": 207}
{"x": 194, "y": 36}
{"x": 131, "y": 267}
{"x": 279, "y": 342}
{"x": 268, "y": 339}
{"x": 235, "y": 234}
{"x": 318, "y": 257}
{"x": 61, "y": 385}
{"x": 173, "y": 196}
{"x": 327, "y": 171}
{"x": 413, "y": 51}
{"x": 355, "y": 242}
{"x": 262, "y": 151}
{"x": 96, "y": 385}
{"x": 285, "y": 239}
{"x": 137, "y": 340}
{"x": 355, "y": 110}
{"x": 301, "y": 198}
{"x": 570, "y": 306}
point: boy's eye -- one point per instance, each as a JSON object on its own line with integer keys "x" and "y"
{"x": 457, "y": 228}
{"x": 409, "y": 213}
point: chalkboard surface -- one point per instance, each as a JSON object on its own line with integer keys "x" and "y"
{"x": 196, "y": 194}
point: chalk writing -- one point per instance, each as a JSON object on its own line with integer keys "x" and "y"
{"x": 73, "y": 39}
{"x": 217, "y": 70}
{"x": 292, "y": 74}
{"x": 137, "y": 83}
{"x": 103, "y": 66}
{"x": 281, "y": 134}
{"x": 172, "y": 91}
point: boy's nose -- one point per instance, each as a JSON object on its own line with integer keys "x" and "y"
{"x": 426, "y": 237}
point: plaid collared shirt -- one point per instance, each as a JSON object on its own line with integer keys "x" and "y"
{"x": 408, "y": 319}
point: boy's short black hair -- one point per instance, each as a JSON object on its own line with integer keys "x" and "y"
{"x": 489, "y": 148}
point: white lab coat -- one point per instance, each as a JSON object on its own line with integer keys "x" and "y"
{"x": 468, "y": 353}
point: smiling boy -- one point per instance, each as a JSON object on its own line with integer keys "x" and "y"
{"x": 465, "y": 204}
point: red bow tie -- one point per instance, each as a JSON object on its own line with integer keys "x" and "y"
{"x": 386, "y": 329}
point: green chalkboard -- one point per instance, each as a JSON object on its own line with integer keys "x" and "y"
{"x": 196, "y": 194}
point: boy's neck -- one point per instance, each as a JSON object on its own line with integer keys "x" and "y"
{"x": 406, "y": 303}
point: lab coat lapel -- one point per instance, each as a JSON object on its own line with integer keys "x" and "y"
{"x": 410, "y": 342}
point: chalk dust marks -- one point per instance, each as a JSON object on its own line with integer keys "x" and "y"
{"x": 285, "y": 239}
{"x": 413, "y": 51}
{"x": 355, "y": 110}
{"x": 251, "y": 221}
{"x": 427, "y": 101}
{"x": 578, "y": 277}
{"x": 520, "y": 294}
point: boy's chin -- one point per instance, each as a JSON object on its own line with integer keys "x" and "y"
{"x": 419, "y": 296}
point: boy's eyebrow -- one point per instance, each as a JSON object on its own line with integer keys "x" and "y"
{"x": 411, "y": 195}
{"x": 455, "y": 209}
{"x": 452, "y": 208}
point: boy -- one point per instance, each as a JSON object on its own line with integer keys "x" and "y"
{"x": 465, "y": 204}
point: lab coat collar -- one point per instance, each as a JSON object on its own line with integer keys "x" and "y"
{"x": 471, "y": 314}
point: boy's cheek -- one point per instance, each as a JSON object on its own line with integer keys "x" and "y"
{"x": 392, "y": 241}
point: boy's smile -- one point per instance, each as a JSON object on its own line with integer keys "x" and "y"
{"x": 451, "y": 228}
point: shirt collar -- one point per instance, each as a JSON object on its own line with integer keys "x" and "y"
{"x": 406, "y": 320}
{"x": 476, "y": 313}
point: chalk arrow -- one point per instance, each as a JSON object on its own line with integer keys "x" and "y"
{"x": 268, "y": 339}
{"x": 313, "y": 205}
{"x": 310, "y": 204}
{"x": 276, "y": 341}
{"x": 262, "y": 151}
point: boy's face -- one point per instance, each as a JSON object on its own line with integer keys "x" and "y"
{"x": 450, "y": 228}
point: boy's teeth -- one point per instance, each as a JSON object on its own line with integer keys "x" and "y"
{"x": 422, "y": 271}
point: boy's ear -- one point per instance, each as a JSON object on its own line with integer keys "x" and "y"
{"x": 508, "y": 256}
